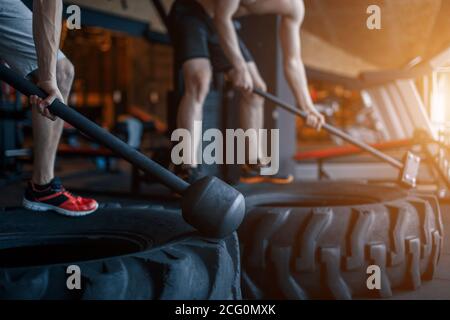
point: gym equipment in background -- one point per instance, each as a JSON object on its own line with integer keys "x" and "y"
{"x": 13, "y": 119}
{"x": 409, "y": 169}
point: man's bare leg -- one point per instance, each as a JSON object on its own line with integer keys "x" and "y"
{"x": 252, "y": 117}
{"x": 197, "y": 77}
{"x": 252, "y": 111}
{"x": 47, "y": 133}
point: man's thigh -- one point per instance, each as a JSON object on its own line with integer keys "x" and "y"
{"x": 196, "y": 66}
{"x": 197, "y": 73}
{"x": 16, "y": 37}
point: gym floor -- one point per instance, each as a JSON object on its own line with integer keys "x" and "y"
{"x": 114, "y": 187}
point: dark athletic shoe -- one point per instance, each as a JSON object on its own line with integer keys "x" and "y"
{"x": 250, "y": 174}
{"x": 55, "y": 198}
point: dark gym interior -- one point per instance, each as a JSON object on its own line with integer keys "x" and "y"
{"x": 359, "y": 196}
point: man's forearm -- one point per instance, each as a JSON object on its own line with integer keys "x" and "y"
{"x": 47, "y": 33}
{"x": 296, "y": 77}
{"x": 229, "y": 42}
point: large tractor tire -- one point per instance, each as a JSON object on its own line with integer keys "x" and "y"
{"x": 122, "y": 253}
{"x": 317, "y": 240}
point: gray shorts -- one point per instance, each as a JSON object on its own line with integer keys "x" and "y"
{"x": 16, "y": 37}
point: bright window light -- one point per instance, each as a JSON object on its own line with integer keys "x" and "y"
{"x": 440, "y": 108}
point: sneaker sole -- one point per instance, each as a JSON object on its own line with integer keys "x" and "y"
{"x": 252, "y": 180}
{"x": 41, "y": 207}
{"x": 287, "y": 180}
{"x": 261, "y": 179}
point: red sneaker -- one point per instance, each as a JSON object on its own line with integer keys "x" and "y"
{"x": 54, "y": 197}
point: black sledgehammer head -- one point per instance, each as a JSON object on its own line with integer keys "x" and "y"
{"x": 213, "y": 207}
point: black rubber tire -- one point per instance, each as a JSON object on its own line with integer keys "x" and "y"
{"x": 316, "y": 240}
{"x": 123, "y": 253}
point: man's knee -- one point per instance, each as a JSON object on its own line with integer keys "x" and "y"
{"x": 198, "y": 84}
{"x": 65, "y": 72}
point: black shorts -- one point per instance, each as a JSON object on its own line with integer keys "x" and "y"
{"x": 194, "y": 36}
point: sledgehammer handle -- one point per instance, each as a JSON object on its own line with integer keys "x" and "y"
{"x": 96, "y": 132}
{"x": 331, "y": 129}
